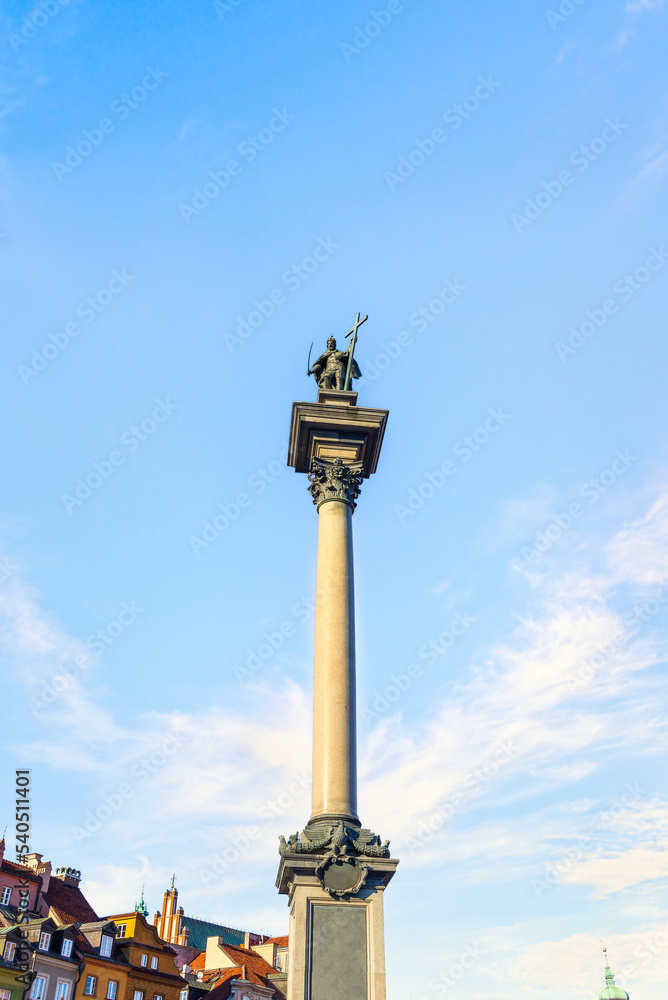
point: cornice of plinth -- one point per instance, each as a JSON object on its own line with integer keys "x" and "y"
{"x": 330, "y": 430}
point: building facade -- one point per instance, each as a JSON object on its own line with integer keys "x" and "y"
{"x": 105, "y": 968}
{"x": 56, "y": 964}
{"x": 151, "y": 972}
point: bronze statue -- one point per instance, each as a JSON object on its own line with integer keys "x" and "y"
{"x": 336, "y": 369}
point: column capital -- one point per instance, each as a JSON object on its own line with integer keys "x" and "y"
{"x": 331, "y": 479}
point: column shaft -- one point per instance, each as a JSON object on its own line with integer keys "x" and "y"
{"x": 334, "y": 706}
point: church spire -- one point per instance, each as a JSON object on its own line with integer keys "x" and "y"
{"x": 611, "y": 992}
{"x": 141, "y": 906}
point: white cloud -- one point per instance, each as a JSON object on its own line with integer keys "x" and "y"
{"x": 575, "y": 964}
{"x": 638, "y": 6}
{"x": 657, "y": 166}
{"x": 638, "y": 553}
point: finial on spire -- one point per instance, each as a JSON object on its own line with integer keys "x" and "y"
{"x": 609, "y": 977}
{"x": 173, "y": 879}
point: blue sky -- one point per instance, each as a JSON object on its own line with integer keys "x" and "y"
{"x": 487, "y": 182}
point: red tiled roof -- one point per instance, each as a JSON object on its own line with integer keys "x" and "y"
{"x": 282, "y": 942}
{"x": 13, "y": 869}
{"x": 257, "y": 970}
{"x": 68, "y": 903}
{"x": 197, "y": 964}
{"x": 224, "y": 988}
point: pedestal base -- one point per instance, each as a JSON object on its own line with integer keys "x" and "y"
{"x": 336, "y": 932}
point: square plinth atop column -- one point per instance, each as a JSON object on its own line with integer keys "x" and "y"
{"x": 335, "y": 427}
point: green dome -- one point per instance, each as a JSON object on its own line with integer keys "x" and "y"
{"x": 142, "y": 908}
{"x": 611, "y": 992}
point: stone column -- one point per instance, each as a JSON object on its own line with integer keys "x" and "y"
{"x": 335, "y": 871}
{"x": 334, "y": 487}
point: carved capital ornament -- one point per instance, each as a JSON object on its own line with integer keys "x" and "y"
{"x": 332, "y": 480}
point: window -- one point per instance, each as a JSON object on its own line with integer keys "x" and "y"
{"x": 105, "y": 945}
{"x": 111, "y": 989}
{"x": 154, "y": 965}
{"x": 62, "y": 989}
{"x": 120, "y": 930}
{"x": 158, "y": 996}
{"x": 144, "y": 961}
{"x": 6, "y": 895}
{"x": 5, "y": 995}
{"x": 91, "y": 983}
{"x": 66, "y": 949}
{"x": 44, "y": 941}
{"x": 183, "y": 995}
{"x": 278, "y": 962}
{"x": 138, "y": 995}
{"x": 38, "y": 988}
{"x": 10, "y": 949}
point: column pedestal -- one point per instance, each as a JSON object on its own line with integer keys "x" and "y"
{"x": 337, "y": 946}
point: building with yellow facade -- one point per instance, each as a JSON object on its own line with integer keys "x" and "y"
{"x": 151, "y": 972}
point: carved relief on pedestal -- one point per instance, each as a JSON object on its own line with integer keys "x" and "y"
{"x": 341, "y": 870}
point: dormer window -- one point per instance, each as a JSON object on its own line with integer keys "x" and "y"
{"x": 144, "y": 961}
{"x": 105, "y": 946}
{"x": 120, "y": 930}
{"x": 66, "y": 949}
{"x": 10, "y": 949}
{"x": 278, "y": 962}
{"x": 154, "y": 965}
{"x": 6, "y": 895}
{"x": 44, "y": 941}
